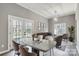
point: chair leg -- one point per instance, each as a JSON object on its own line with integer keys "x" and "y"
{"x": 53, "y": 51}
{"x": 50, "y": 52}
{"x": 18, "y": 54}
{"x": 15, "y": 53}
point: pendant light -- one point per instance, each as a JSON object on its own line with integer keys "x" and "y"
{"x": 55, "y": 18}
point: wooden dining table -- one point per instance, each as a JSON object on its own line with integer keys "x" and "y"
{"x": 44, "y": 45}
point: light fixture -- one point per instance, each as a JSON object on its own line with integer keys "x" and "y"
{"x": 55, "y": 18}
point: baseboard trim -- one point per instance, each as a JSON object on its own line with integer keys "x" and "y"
{"x": 4, "y": 52}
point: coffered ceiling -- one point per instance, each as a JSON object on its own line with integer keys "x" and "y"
{"x": 50, "y": 10}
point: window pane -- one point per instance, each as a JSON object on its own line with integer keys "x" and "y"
{"x": 60, "y": 29}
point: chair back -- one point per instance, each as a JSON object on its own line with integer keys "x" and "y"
{"x": 42, "y": 33}
{"x": 58, "y": 40}
{"x": 16, "y": 46}
{"x": 23, "y": 51}
{"x": 65, "y": 36}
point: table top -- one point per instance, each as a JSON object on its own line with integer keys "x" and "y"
{"x": 43, "y": 45}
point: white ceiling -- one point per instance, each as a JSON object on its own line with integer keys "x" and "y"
{"x": 47, "y": 10}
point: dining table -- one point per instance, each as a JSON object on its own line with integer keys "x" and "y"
{"x": 44, "y": 45}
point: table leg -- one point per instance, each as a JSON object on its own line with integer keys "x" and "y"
{"x": 43, "y": 53}
{"x": 53, "y": 51}
{"x": 50, "y": 52}
{"x": 36, "y": 51}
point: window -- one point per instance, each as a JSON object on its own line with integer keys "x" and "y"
{"x": 19, "y": 28}
{"x": 60, "y": 29}
{"x": 28, "y": 30}
{"x": 42, "y": 27}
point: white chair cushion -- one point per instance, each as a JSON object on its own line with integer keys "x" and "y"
{"x": 49, "y": 38}
{"x": 40, "y": 37}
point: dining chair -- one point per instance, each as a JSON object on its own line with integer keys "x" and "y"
{"x": 41, "y": 33}
{"x": 16, "y": 48}
{"x": 58, "y": 40}
{"x": 24, "y": 51}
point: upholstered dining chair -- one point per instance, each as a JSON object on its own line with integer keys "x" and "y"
{"x": 58, "y": 40}
{"x": 16, "y": 48}
{"x": 44, "y": 34}
{"x": 24, "y": 51}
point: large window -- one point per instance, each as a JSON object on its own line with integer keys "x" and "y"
{"x": 60, "y": 29}
{"x": 19, "y": 28}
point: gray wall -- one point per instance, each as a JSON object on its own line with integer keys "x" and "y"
{"x": 16, "y": 10}
{"x": 69, "y": 20}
